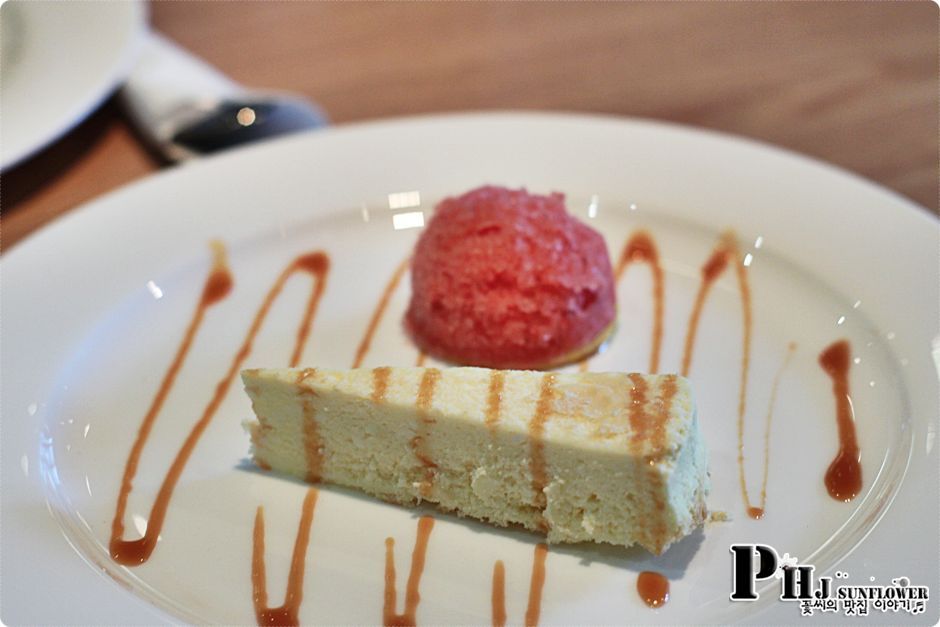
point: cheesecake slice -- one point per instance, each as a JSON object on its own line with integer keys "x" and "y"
{"x": 604, "y": 457}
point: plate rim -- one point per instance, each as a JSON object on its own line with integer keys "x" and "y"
{"x": 359, "y": 126}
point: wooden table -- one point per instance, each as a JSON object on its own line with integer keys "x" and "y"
{"x": 852, "y": 83}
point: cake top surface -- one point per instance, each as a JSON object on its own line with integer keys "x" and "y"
{"x": 645, "y": 415}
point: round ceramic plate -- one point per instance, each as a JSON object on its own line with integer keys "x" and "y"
{"x": 60, "y": 60}
{"x": 96, "y": 305}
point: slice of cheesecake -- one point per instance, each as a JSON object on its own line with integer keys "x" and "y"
{"x": 606, "y": 457}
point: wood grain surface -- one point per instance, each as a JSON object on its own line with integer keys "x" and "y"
{"x": 851, "y": 83}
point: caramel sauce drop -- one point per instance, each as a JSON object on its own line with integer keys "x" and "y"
{"x": 390, "y": 617}
{"x": 653, "y": 588}
{"x": 219, "y": 284}
{"x": 844, "y": 475}
{"x": 217, "y": 287}
{"x": 286, "y": 614}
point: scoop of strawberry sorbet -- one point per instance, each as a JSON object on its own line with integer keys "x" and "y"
{"x": 503, "y": 278}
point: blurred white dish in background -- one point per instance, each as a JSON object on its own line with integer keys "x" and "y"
{"x": 58, "y": 61}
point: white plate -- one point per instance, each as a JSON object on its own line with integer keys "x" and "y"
{"x": 59, "y": 61}
{"x": 95, "y": 305}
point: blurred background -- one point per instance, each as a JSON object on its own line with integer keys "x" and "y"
{"x": 851, "y": 83}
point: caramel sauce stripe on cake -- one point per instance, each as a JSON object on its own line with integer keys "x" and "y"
{"x": 380, "y": 383}
{"x": 494, "y": 398}
{"x": 667, "y": 393}
{"x": 538, "y": 466}
{"x": 420, "y": 444}
{"x": 313, "y": 447}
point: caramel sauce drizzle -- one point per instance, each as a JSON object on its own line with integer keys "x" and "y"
{"x": 494, "y": 398}
{"x": 366, "y": 341}
{"x": 380, "y": 383}
{"x": 843, "y": 478}
{"x": 653, "y": 588}
{"x": 536, "y": 584}
{"x": 537, "y": 463}
{"x": 313, "y": 446}
{"x": 844, "y": 475}
{"x": 668, "y": 390}
{"x": 757, "y": 512}
{"x": 218, "y": 285}
{"x": 420, "y": 443}
{"x": 651, "y": 427}
{"x": 725, "y": 253}
{"x": 390, "y": 617}
{"x": 286, "y": 614}
{"x": 316, "y": 264}
{"x": 499, "y": 594}
{"x": 641, "y": 248}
